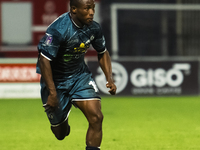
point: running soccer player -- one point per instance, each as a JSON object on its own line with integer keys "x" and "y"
{"x": 65, "y": 78}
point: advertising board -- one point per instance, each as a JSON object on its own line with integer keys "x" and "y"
{"x": 19, "y": 81}
{"x": 146, "y": 78}
{"x": 132, "y": 78}
{"x": 18, "y": 73}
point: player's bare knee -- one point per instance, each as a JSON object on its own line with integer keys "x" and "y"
{"x": 60, "y": 137}
{"x": 96, "y": 120}
{"x": 67, "y": 131}
{"x": 101, "y": 118}
{"x": 61, "y": 133}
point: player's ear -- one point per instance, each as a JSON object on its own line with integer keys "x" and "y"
{"x": 73, "y": 9}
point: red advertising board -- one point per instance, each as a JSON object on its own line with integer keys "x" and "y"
{"x": 44, "y": 13}
{"x": 18, "y": 73}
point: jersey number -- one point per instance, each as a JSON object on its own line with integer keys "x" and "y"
{"x": 94, "y": 85}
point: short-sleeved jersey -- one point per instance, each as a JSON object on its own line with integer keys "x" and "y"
{"x": 65, "y": 45}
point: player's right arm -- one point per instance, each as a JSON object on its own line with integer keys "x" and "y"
{"x": 46, "y": 73}
{"x": 48, "y": 48}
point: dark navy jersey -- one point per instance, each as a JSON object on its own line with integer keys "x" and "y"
{"x": 65, "y": 45}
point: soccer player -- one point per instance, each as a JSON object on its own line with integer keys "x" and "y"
{"x": 65, "y": 78}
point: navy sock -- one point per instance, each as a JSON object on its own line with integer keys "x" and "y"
{"x": 92, "y": 148}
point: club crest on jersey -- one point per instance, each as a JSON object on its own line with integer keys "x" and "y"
{"x": 50, "y": 116}
{"x": 49, "y": 39}
{"x": 92, "y": 37}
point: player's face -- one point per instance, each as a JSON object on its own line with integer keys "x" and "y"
{"x": 85, "y": 12}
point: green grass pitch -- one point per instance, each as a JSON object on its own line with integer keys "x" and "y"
{"x": 130, "y": 123}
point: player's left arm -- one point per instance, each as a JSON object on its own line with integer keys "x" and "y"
{"x": 105, "y": 64}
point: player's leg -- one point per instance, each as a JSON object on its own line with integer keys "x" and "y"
{"x": 62, "y": 130}
{"x": 59, "y": 121}
{"x": 92, "y": 111}
{"x": 58, "y": 118}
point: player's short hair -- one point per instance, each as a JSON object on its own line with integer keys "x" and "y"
{"x": 75, "y": 2}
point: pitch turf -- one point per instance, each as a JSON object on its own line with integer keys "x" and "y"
{"x": 155, "y": 123}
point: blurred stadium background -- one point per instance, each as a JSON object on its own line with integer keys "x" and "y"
{"x": 155, "y": 50}
{"x": 154, "y": 45}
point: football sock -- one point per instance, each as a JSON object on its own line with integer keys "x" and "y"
{"x": 92, "y": 148}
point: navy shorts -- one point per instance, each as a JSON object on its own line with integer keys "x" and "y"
{"x": 80, "y": 87}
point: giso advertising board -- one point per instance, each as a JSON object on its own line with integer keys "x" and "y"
{"x": 150, "y": 78}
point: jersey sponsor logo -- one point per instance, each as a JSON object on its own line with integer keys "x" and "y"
{"x": 67, "y": 57}
{"x": 49, "y": 39}
{"x": 77, "y": 53}
{"x": 82, "y": 48}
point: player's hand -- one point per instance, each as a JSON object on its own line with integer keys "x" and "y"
{"x": 112, "y": 87}
{"x": 52, "y": 103}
